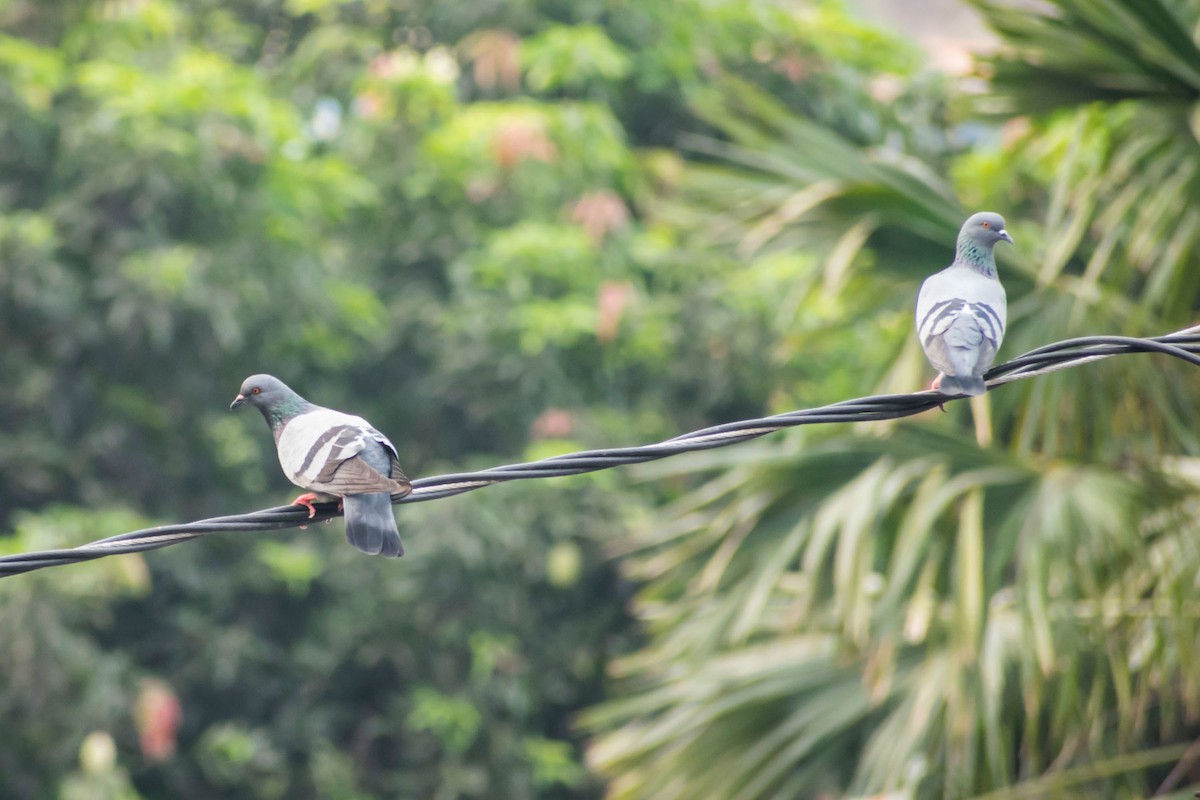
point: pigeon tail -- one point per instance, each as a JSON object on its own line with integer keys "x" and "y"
{"x": 371, "y": 526}
{"x": 969, "y": 385}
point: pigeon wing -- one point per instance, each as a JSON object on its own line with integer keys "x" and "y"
{"x": 344, "y": 471}
{"x": 960, "y": 320}
{"x": 396, "y": 472}
{"x": 321, "y": 451}
{"x": 355, "y": 476}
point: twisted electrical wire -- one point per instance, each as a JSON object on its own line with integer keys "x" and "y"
{"x": 1184, "y": 345}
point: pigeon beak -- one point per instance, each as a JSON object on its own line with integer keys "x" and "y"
{"x": 1003, "y": 234}
{"x": 237, "y": 401}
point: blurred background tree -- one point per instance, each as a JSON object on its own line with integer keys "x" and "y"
{"x": 509, "y": 230}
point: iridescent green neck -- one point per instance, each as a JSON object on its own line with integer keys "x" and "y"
{"x": 975, "y": 255}
{"x": 283, "y": 411}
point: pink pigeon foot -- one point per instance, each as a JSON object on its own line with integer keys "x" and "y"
{"x": 936, "y": 386}
{"x": 306, "y": 500}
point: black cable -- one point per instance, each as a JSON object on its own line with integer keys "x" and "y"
{"x": 1183, "y": 345}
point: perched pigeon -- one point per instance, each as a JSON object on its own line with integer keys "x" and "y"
{"x": 333, "y": 455}
{"x": 961, "y": 310}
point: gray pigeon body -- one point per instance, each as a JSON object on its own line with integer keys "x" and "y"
{"x": 334, "y": 455}
{"x": 961, "y": 311}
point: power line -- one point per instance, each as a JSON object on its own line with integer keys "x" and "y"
{"x": 1069, "y": 353}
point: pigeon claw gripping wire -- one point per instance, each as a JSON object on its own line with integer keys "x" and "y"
{"x": 935, "y": 386}
{"x": 306, "y": 500}
{"x": 1184, "y": 345}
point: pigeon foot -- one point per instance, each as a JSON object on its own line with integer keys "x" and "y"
{"x": 306, "y": 500}
{"x": 936, "y": 386}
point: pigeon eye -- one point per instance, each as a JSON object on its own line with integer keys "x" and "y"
{"x": 987, "y": 224}
{"x": 255, "y": 390}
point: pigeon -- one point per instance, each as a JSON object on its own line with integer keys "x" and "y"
{"x": 961, "y": 310}
{"x": 333, "y": 455}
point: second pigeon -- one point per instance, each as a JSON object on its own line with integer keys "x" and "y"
{"x": 961, "y": 310}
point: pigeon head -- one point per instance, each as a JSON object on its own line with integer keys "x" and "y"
{"x": 261, "y": 391}
{"x": 978, "y": 236}
{"x": 985, "y": 228}
{"x": 277, "y": 402}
